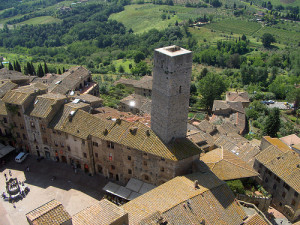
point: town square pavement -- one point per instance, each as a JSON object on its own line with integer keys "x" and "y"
{"x": 74, "y": 191}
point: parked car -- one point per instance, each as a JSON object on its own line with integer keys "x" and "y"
{"x": 21, "y": 157}
{"x": 271, "y": 102}
{"x": 265, "y": 102}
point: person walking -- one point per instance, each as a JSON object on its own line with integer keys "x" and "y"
{"x": 10, "y": 174}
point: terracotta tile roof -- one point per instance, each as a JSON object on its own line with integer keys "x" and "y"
{"x": 227, "y": 127}
{"x": 52, "y": 213}
{"x": 108, "y": 113}
{"x": 13, "y": 75}
{"x": 6, "y": 86}
{"x": 102, "y": 213}
{"x": 134, "y": 135}
{"x": 196, "y": 136}
{"x": 226, "y": 165}
{"x": 145, "y": 83}
{"x": 234, "y": 106}
{"x": 137, "y": 101}
{"x": 47, "y": 79}
{"x": 296, "y": 146}
{"x": 290, "y": 140}
{"x": 237, "y": 96}
{"x": 43, "y": 104}
{"x": 206, "y": 126}
{"x": 67, "y": 81}
{"x": 87, "y": 98}
{"x": 285, "y": 165}
{"x": 178, "y": 202}
{"x": 255, "y": 220}
{"x": 3, "y": 110}
{"x": 20, "y": 95}
{"x": 240, "y": 146}
{"x": 278, "y": 143}
{"x": 63, "y": 114}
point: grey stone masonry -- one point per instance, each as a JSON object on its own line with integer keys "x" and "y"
{"x": 170, "y": 92}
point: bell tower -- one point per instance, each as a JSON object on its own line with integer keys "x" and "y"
{"x": 171, "y": 92}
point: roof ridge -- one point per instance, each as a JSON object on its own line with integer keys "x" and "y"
{"x": 47, "y": 210}
{"x": 237, "y": 165}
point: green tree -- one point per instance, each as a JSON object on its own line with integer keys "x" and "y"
{"x": 10, "y": 66}
{"x": 139, "y": 56}
{"x": 1, "y": 65}
{"x": 29, "y": 69}
{"x": 17, "y": 66}
{"x": 40, "y": 71}
{"x": 267, "y": 39}
{"x": 121, "y": 69}
{"x": 32, "y": 69}
{"x": 294, "y": 96}
{"x": 236, "y": 186}
{"x": 211, "y": 88}
{"x": 203, "y": 73}
{"x": 244, "y": 38}
{"x": 58, "y": 71}
{"x": 280, "y": 87}
{"x": 272, "y": 124}
{"x": 25, "y": 70}
{"x": 46, "y": 68}
{"x": 141, "y": 69}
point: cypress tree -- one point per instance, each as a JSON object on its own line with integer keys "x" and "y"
{"x": 25, "y": 70}
{"x": 17, "y": 66}
{"x": 10, "y": 67}
{"x": 64, "y": 69}
{"x": 1, "y": 65}
{"x": 272, "y": 123}
{"x": 46, "y": 68}
{"x": 33, "y": 69}
{"x": 58, "y": 71}
{"x": 40, "y": 71}
{"x": 29, "y": 69}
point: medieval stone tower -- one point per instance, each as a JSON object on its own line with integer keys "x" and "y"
{"x": 170, "y": 92}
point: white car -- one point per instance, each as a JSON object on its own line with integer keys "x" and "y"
{"x": 271, "y": 102}
{"x": 21, "y": 157}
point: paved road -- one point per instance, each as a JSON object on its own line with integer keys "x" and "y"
{"x": 74, "y": 191}
{"x": 279, "y": 105}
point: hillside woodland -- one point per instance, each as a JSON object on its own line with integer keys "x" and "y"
{"x": 237, "y": 45}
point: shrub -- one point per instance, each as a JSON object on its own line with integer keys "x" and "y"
{"x": 236, "y": 186}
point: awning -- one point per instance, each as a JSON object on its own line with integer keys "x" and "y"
{"x": 5, "y": 150}
{"x": 133, "y": 189}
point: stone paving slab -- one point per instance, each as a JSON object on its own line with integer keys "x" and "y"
{"x": 74, "y": 191}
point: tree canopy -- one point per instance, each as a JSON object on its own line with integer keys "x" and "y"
{"x": 211, "y": 87}
{"x": 267, "y": 39}
{"x": 272, "y": 124}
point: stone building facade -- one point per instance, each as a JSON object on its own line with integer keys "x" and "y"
{"x": 279, "y": 175}
{"x": 17, "y": 102}
{"x": 60, "y": 126}
{"x": 170, "y": 92}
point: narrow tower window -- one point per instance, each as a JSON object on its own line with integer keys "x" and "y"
{"x": 179, "y": 89}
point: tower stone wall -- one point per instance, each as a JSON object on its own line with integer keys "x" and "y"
{"x": 170, "y": 92}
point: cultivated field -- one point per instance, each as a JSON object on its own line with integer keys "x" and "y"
{"x": 40, "y": 20}
{"x": 145, "y": 17}
{"x": 235, "y": 26}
